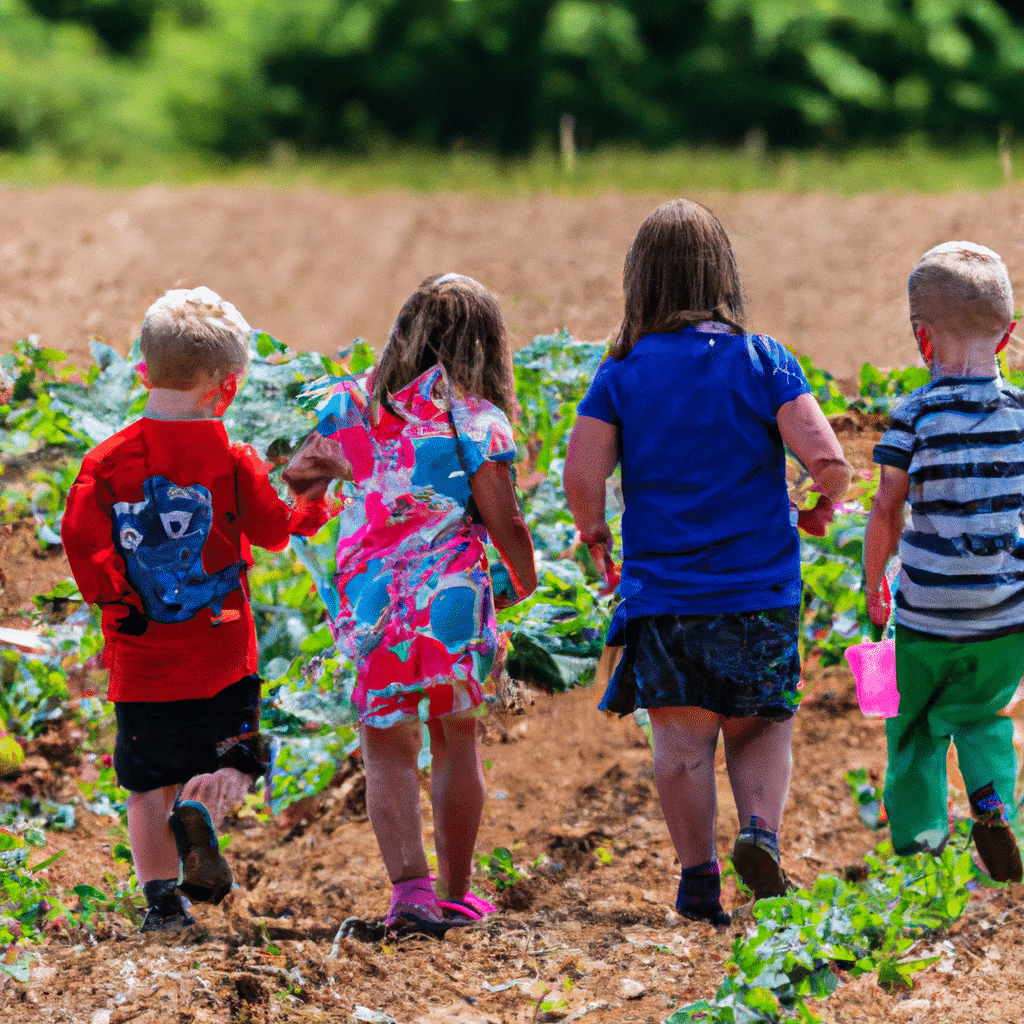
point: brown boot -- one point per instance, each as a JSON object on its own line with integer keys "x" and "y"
{"x": 993, "y": 837}
{"x": 207, "y": 876}
{"x": 758, "y": 866}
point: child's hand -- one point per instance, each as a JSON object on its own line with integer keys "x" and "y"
{"x": 600, "y": 543}
{"x": 815, "y": 520}
{"x": 317, "y": 462}
{"x": 879, "y": 604}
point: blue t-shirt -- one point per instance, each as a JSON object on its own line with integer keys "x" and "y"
{"x": 706, "y": 527}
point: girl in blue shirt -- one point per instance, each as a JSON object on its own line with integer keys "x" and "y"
{"x": 697, "y": 413}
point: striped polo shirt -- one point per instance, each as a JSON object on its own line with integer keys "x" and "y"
{"x": 961, "y": 440}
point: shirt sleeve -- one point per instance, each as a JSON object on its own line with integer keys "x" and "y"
{"x": 896, "y": 447}
{"x": 265, "y": 519}
{"x": 784, "y": 377}
{"x": 87, "y": 534}
{"x": 342, "y": 411}
{"x": 597, "y": 402}
{"x": 485, "y": 434}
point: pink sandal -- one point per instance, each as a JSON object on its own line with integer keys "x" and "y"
{"x": 472, "y": 906}
{"x": 478, "y": 904}
{"x": 412, "y": 910}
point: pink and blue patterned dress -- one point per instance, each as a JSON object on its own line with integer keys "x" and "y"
{"x": 411, "y": 601}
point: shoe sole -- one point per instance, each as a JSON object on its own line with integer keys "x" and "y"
{"x": 998, "y": 851}
{"x": 172, "y": 923}
{"x": 713, "y": 915}
{"x": 406, "y": 923}
{"x": 759, "y": 871}
{"x": 207, "y": 876}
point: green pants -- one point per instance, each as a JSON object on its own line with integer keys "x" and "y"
{"x": 949, "y": 691}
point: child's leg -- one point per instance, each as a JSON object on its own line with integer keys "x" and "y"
{"x": 981, "y": 683}
{"x": 987, "y": 674}
{"x": 393, "y": 797}
{"x": 685, "y": 740}
{"x": 149, "y": 834}
{"x": 759, "y": 756}
{"x": 916, "y": 787}
{"x": 156, "y": 859}
{"x": 457, "y": 793}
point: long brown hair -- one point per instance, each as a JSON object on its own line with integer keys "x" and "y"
{"x": 452, "y": 320}
{"x": 680, "y": 270}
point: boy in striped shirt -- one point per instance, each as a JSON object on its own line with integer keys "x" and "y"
{"x": 955, "y": 451}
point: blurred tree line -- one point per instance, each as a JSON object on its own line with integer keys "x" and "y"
{"x": 102, "y": 78}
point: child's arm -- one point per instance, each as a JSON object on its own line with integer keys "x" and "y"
{"x": 96, "y": 564}
{"x": 882, "y": 537}
{"x": 810, "y": 437}
{"x": 496, "y": 502}
{"x": 591, "y": 457}
{"x": 266, "y": 520}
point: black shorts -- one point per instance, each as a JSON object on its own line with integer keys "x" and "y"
{"x": 166, "y": 743}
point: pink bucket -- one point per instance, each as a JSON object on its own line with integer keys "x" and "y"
{"x": 874, "y": 670}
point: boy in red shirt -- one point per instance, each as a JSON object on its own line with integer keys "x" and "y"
{"x": 157, "y": 530}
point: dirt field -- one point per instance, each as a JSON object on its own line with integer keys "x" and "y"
{"x": 316, "y": 270}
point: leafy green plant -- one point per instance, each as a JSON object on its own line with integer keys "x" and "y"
{"x": 94, "y": 905}
{"x": 867, "y": 796}
{"x": 802, "y": 940}
{"x": 104, "y": 795}
{"x": 824, "y": 388}
{"x": 25, "y": 890}
{"x": 499, "y": 867}
{"x": 834, "y": 609}
{"x": 879, "y": 391}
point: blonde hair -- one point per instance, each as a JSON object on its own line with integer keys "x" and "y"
{"x": 453, "y": 321}
{"x": 680, "y": 271}
{"x": 963, "y": 284}
{"x": 189, "y": 332}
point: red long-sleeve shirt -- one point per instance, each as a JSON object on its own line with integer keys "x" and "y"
{"x": 195, "y": 658}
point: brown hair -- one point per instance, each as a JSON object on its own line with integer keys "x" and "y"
{"x": 189, "y": 332}
{"x": 454, "y": 321}
{"x": 680, "y": 270}
{"x": 964, "y": 284}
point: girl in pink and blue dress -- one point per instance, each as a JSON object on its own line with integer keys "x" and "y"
{"x": 428, "y": 439}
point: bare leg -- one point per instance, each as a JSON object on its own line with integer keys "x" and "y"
{"x": 457, "y": 792}
{"x": 393, "y": 797}
{"x": 684, "y": 772}
{"x": 759, "y": 756}
{"x": 152, "y": 843}
{"x": 220, "y": 792}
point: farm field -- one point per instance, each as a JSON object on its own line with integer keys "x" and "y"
{"x": 589, "y": 934}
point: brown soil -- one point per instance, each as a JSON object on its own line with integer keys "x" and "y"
{"x": 316, "y": 269}
{"x": 566, "y": 787}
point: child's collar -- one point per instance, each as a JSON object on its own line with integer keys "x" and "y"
{"x": 169, "y": 404}
{"x": 202, "y": 402}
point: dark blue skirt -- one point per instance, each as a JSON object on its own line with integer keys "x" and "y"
{"x": 738, "y": 664}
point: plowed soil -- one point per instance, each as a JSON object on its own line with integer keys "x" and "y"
{"x": 591, "y": 935}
